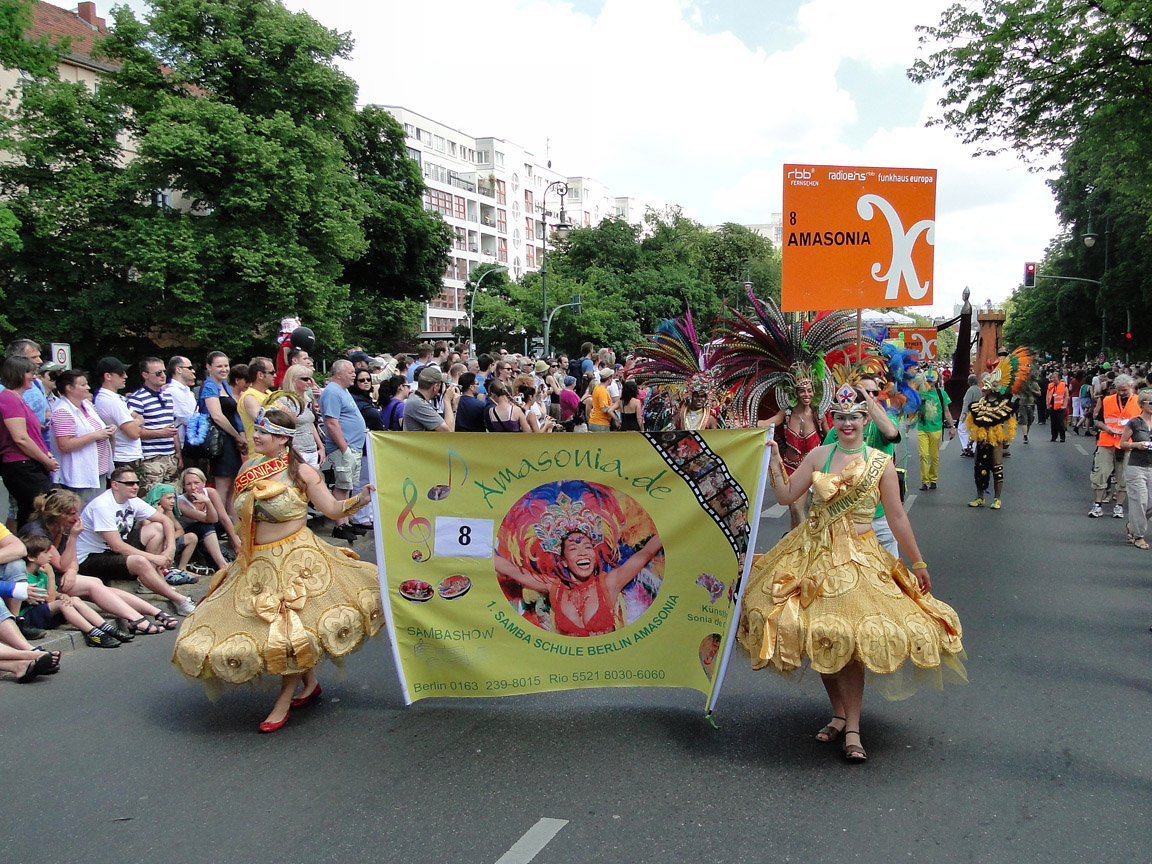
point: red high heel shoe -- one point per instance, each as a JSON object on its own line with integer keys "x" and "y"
{"x": 267, "y": 726}
{"x": 301, "y": 701}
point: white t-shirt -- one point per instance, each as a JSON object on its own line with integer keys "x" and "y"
{"x": 104, "y": 514}
{"x": 113, "y": 410}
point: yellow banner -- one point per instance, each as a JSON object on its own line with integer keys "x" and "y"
{"x": 523, "y": 563}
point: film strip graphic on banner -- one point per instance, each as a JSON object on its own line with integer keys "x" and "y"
{"x": 707, "y": 476}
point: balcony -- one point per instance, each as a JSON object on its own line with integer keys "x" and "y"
{"x": 486, "y": 191}
{"x": 466, "y": 185}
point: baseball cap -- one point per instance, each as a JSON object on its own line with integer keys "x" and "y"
{"x": 50, "y": 366}
{"x": 605, "y": 374}
{"x": 110, "y": 365}
{"x": 430, "y": 375}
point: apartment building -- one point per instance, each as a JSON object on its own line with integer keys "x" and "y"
{"x": 491, "y": 191}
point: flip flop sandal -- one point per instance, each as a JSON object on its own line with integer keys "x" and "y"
{"x": 166, "y": 621}
{"x": 50, "y": 668}
{"x": 1140, "y": 543}
{"x": 30, "y": 672}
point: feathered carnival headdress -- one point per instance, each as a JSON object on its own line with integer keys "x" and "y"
{"x": 1011, "y": 373}
{"x": 847, "y": 375}
{"x": 901, "y": 396}
{"x": 271, "y": 401}
{"x": 769, "y": 352}
{"x": 672, "y": 357}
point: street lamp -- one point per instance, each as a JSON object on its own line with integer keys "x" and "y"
{"x": 1089, "y": 238}
{"x": 562, "y": 225}
{"x": 472, "y": 304}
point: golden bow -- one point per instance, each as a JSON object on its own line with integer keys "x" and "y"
{"x": 827, "y": 486}
{"x": 286, "y": 634}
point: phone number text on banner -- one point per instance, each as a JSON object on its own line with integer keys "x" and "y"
{"x": 529, "y": 563}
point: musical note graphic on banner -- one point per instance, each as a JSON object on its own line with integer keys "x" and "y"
{"x": 418, "y": 530}
{"x": 439, "y": 493}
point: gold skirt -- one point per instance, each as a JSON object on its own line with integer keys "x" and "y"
{"x": 298, "y": 600}
{"x": 831, "y": 597}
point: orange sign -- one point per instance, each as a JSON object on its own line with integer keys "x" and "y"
{"x": 922, "y": 340}
{"x": 857, "y": 238}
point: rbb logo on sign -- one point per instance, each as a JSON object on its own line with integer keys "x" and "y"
{"x": 922, "y": 340}
{"x": 857, "y": 237}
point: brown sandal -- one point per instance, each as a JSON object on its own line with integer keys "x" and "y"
{"x": 853, "y": 752}
{"x": 830, "y": 732}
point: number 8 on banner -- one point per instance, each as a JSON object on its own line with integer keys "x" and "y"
{"x": 464, "y": 538}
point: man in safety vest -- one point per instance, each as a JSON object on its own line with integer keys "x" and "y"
{"x": 1112, "y": 415}
{"x": 1057, "y": 403}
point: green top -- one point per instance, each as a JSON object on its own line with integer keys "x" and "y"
{"x": 39, "y": 579}
{"x": 931, "y": 414}
{"x": 873, "y": 439}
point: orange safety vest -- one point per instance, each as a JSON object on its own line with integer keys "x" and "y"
{"x": 1116, "y": 418}
{"x": 1057, "y": 395}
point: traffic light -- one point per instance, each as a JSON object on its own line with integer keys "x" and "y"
{"x": 1029, "y": 274}
{"x": 1128, "y": 335}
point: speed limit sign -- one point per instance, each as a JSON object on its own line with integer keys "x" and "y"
{"x": 61, "y": 352}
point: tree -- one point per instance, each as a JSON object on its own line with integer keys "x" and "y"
{"x": 1032, "y": 74}
{"x": 407, "y": 245}
{"x": 218, "y": 180}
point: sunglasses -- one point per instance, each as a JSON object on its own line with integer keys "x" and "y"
{"x": 127, "y": 482}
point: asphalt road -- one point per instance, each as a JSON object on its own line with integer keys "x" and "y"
{"x": 1044, "y": 756}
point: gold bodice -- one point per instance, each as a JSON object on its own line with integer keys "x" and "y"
{"x": 273, "y": 501}
{"x": 855, "y": 490}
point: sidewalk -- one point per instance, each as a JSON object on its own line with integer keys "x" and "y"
{"x": 66, "y": 639}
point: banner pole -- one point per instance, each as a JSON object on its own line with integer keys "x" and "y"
{"x": 859, "y": 335}
{"x": 382, "y": 569}
{"x": 735, "y": 624}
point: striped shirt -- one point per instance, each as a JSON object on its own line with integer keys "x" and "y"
{"x": 157, "y": 410}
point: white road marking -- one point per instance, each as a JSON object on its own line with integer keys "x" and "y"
{"x": 1083, "y": 452}
{"x": 909, "y": 501}
{"x": 774, "y": 512}
{"x": 535, "y": 839}
{"x": 944, "y": 441}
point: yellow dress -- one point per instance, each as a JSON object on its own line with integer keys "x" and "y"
{"x": 282, "y": 606}
{"x": 833, "y": 596}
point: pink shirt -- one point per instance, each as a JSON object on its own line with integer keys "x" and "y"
{"x": 12, "y": 406}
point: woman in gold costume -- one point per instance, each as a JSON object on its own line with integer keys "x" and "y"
{"x": 289, "y": 598}
{"x": 829, "y": 592}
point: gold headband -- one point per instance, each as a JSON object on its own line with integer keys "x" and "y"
{"x": 266, "y": 425}
{"x": 846, "y": 400}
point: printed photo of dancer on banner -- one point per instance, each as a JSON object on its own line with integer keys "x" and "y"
{"x": 567, "y": 563}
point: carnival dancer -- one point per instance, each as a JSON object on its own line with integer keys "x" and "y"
{"x": 672, "y": 360}
{"x": 770, "y": 361}
{"x": 991, "y": 422}
{"x": 830, "y": 593}
{"x": 289, "y": 598}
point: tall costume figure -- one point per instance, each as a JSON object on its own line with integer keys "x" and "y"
{"x": 991, "y": 422}
{"x": 289, "y": 601}
{"x": 830, "y": 593}
{"x": 672, "y": 361}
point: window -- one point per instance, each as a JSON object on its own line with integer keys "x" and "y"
{"x": 461, "y": 238}
{"x": 501, "y": 198}
{"x": 451, "y": 148}
{"x": 459, "y": 207}
{"x": 517, "y": 270}
{"x": 574, "y": 193}
{"x": 441, "y": 202}
{"x": 439, "y": 142}
{"x": 515, "y": 180}
{"x": 499, "y": 158}
{"x": 482, "y": 157}
{"x": 527, "y": 200}
{"x": 515, "y": 210}
{"x": 415, "y": 155}
{"x": 515, "y": 238}
{"x": 587, "y": 219}
{"x": 439, "y": 325}
{"x": 529, "y": 227}
{"x": 530, "y": 255}
{"x": 443, "y": 300}
{"x": 461, "y": 269}
{"x": 502, "y": 250}
{"x": 502, "y": 221}
{"x": 409, "y": 130}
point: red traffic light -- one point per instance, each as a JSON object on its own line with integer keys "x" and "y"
{"x": 1029, "y": 267}
{"x": 1029, "y": 274}
{"x": 1127, "y": 335}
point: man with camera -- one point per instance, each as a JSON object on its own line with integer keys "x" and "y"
{"x": 419, "y": 415}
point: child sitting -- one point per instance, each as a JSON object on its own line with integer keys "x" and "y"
{"x": 163, "y": 498}
{"x": 58, "y": 608}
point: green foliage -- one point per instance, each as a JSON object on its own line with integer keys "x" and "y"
{"x": 1070, "y": 78}
{"x": 220, "y": 179}
{"x": 35, "y": 57}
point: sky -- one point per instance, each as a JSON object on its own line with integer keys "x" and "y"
{"x": 699, "y": 103}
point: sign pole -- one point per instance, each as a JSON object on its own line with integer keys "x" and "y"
{"x": 859, "y": 335}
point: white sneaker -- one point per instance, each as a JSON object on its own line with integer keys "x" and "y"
{"x": 185, "y": 607}
{"x": 1117, "y": 512}
{"x": 1096, "y": 512}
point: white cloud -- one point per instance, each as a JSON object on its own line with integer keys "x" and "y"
{"x": 639, "y": 97}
